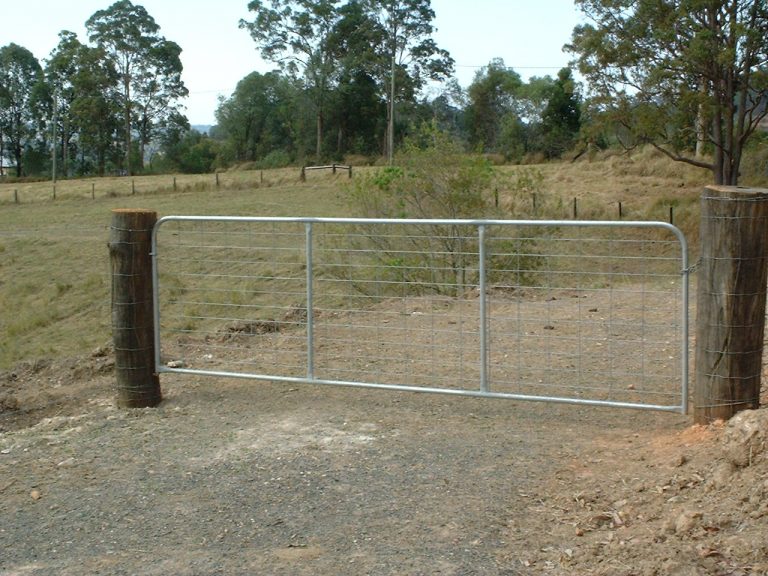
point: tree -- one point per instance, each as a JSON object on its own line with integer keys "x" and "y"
{"x": 260, "y": 116}
{"x": 667, "y": 67}
{"x": 59, "y": 70}
{"x": 158, "y": 91}
{"x": 83, "y": 81}
{"x": 21, "y": 94}
{"x": 357, "y": 106}
{"x": 295, "y": 34}
{"x": 148, "y": 65}
{"x": 410, "y": 50}
{"x": 491, "y": 98}
{"x": 561, "y": 119}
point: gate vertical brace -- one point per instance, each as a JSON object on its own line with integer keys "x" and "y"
{"x": 156, "y": 297}
{"x": 483, "y": 311}
{"x": 310, "y": 305}
{"x": 685, "y": 327}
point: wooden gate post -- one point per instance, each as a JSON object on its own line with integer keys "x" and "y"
{"x": 731, "y": 297}
{"x": 130, "y": 240}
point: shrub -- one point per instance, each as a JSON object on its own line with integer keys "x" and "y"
{"x": 433, "y": 179}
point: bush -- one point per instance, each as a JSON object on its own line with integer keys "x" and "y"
{"x": 433, "y": 179}
{"x": 275, "y": 159}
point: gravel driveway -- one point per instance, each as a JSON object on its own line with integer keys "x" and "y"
{"x": 241, "y": 477}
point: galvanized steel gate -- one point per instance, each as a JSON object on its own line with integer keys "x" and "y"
{"x": 581, "y": 312}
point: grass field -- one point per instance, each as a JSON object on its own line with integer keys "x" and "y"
{"x": 54, "y": 276}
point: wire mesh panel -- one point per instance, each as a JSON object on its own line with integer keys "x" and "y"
{"x": 587, "y": 312}
{"x": 581, "y": 312}
{"x": 233, "y": 296}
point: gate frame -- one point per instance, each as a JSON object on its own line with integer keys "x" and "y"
{"x": 480, "y": 224}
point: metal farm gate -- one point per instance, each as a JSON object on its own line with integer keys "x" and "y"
{"x": 581, "y": 312}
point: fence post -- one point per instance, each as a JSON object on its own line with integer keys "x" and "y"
{"x": 93, "y": 190}
{"x": 217, "y": 179}
{"x": 15, "y": 196}
{"x": 731, "y": 298}
{"x": 130, "y": 242}
{"x": 303, "y": 174}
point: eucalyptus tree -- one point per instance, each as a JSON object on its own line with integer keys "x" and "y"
{"x": 410, "y": 51}
{"x": 667, "y": 68}
{"x": 148, "y": 65}
{"x": 358, "y": 110}
{"x": 83, "y": 81}
{"x": 295, "y": 34}
{"x": 58, "y": 70}
{"x": 21, "y": 101}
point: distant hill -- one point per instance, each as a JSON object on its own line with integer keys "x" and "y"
{"x": 204, "y": 128}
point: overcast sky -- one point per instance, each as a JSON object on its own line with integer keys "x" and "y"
{"x": 527, "y": 34}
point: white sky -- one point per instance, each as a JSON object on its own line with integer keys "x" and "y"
{"x": 527, "y": 34}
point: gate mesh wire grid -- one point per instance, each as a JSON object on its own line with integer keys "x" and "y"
{"x": 588, "y": 311}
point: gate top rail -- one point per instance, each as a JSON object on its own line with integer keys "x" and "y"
{"x": 443, "y": 221}
{"x": 440, "y": 221}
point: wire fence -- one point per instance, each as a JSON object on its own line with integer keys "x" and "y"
{"x": 123, "y": 186}
{"x": 580, "y": 312}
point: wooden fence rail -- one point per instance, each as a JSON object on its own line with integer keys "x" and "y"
{"x": 332, "y": 167}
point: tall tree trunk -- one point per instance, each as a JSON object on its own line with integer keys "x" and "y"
{"x": 701, "y": 121}
{"x": 17, "y": 157}
{"x": 319, "y": 146}
{"x": 127, "y": 121}
{"x": 65, "y": 151}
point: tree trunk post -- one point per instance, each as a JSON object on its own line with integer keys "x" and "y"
{"x": 130, "y": 242}
{"x": 731, "y": 299}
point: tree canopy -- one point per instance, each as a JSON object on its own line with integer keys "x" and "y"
{"x": 360, "y": 77}
{"x": 148, "y": 65}
{"x": 21, "y": 92}
{"x": 672, "y": 72}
